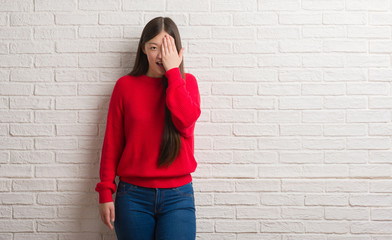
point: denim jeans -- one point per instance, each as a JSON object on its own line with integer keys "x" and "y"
{"x": 143, "y": 213}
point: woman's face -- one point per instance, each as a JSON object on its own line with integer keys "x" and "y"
{"x": 153, "y": 50}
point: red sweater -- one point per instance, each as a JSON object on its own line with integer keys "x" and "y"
{"x": 134, "y": 130}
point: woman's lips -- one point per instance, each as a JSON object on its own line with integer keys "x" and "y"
{"x": 160, "y": 65}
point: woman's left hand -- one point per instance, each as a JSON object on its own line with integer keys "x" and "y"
{"x": 170, "y": 57}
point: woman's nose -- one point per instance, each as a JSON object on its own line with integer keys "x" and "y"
{"x": 160, "y": 53}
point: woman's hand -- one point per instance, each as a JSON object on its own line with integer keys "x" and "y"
{"x": 106, "y": 211}
{"x": 170, "y": 57}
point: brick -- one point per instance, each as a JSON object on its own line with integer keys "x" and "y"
{"x": 56, "y": 61}
{"x": 16, "y": 60}
{"x": 350, "y": 18}
{"x": 300, "y": 130}
{"x": 323, "y": 4}
{"x": 278, "y": 199}
{"x": 71, "y": 19}
{"x": 252, "y": 102}
{"x": 235, "y": 226}
{"x": 303, "y": 185}
{"x": 119, "y": 18}
{"x": 308, "y": 213}
{"x": 326, "y": 200}
{"x": 33, "y": 212}
{"x": 65, "y": 199}
{"x": 233, "y": 89}
{"x": 300, "y": 103}
{"x": 106, "y": 5}
{"x": 17, "y": 6}
{"x": 234, "y": 171}
{"x": 216, "y": 212}
{"x": 257, "y": 213}
{"x": 35, "y": 236}
{"x": 187, "y": 5}
{"x": 371, "y": 227}
{"x": 346, "y": 214}
{"x": 331, "y": 227}
{"x": 16, "y": 199}
{"x": 34, "y": 185}
{"x": 284, "y": 171}
{"x": 278, "y": 143}
{"x": 255, "y": 157}
{"x": 16, "y": 226}
{"x": 21, "y": 33}
{"x": 300, "y": 157}
{"x": 370, "y": 200}
{"x": 255, "y": 130}
{"x": 55, "y": 33}
{"x": 290, "y": 5}
{"x": 31, "y": 47}
{"x": 143, "y": 5}
{"x": 346, "y": 186}
{"x": 235, "y": 198}
{"x": 306, "y": 19}
{"x": 343, "y": 102}
{"x": 370, "y": 171}
{"x": 27, "y": 19}
{"x": 372, "y": 5}
{"x": 282, "y": 227}
{"x": 291, "y": 32}
{"x": 257, "y": 186}
{"x": 77, "y": 46}
{"x": 30, "y": 103}
{"x": 368, "y": 32}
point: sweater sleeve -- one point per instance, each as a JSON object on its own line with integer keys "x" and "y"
{"x": 183, "y": 101}
{"x": 113, "y": 145}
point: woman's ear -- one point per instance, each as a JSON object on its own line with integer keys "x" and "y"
{"x": 143, "y": 50}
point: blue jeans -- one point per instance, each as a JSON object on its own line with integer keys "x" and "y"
{"x": 143, "y": 213}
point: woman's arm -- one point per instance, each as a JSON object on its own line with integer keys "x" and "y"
{"x": 183, "y": 100}
{"x": 113, "y": 146}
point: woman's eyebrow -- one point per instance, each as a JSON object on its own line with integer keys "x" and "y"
{"x": 153, "y": 43}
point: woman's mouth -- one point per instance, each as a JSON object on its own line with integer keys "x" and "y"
{"x": 160, "y": 65}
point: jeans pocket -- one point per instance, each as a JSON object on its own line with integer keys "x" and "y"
{"x": 124, "y": 188}
{"x": 185, "y": 190}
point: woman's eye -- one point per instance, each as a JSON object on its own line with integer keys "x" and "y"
{"x": 153, "y": 47}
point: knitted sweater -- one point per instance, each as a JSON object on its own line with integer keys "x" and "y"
{"x": 134, "y": 130}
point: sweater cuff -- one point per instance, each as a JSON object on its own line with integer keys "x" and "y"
{"x": 174, "y": 77}
{"x": 105, "y": 196}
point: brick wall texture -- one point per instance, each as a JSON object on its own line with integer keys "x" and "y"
{"x": 294, "y": 139}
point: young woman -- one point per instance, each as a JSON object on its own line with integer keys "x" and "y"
{"x": 149, "y": 142}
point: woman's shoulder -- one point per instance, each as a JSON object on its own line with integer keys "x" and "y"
{"x": 125, "y": 79}
{"x": 189, "y": 74}
{"x": 122, "y": 84}
{"x": 190, "y": 77}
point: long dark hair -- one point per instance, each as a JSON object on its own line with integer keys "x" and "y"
{"x": 171, "y": 140}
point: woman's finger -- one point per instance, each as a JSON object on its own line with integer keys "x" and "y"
{"x": 173, "y": 44}
{"x": 166, "y": 45}
{"x": 107, "y": 220}
{"x": 112, "y": 216}
{"x": 181, "y": 53}
{"x": 163, "y": 50}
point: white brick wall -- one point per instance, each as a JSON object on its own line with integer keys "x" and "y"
{"x": 294, "y": 140}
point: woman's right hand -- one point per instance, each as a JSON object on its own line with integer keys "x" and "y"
{"x": 107, "y": 213}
